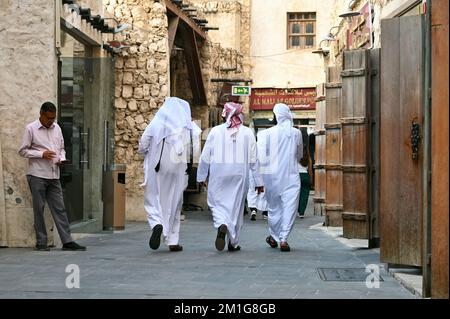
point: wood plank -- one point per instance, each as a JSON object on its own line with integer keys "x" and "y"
{"x": 333, "y": 179}
{"x": 411, "y": 108}
{"x": 374, "y": 235}
{"x": 439, "y": 150}
{"x": 193, "y": 65}
{"x": 389, "y": 141}
{"x": 188, "y": 22}
{"x": 319, "y": 170}
{"x": 353, "y": 120}
{"x": 400, "y": 175}
{"x": 172, "y": 30}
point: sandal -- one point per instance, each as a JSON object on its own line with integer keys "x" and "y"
{"x": 272, "y": 242}
{"x": 284, "y": 246}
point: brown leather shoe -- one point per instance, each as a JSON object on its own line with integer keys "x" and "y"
{"x": 284, "y": 246}
{"x": 175, "y": 247}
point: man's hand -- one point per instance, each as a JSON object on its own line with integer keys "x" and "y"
{"x": 259, "y": 189}
{"x": 48, "y": 155}
{"x": 203, "y": 184}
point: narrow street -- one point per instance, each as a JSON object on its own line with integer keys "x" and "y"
{"x": 121, "y": 265}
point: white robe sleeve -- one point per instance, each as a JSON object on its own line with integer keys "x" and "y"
{"x": 145, "y": 142}
{"x": 205, "y": 158}
{"x": 254, "y": 163}
{"x": 196, "y": 142}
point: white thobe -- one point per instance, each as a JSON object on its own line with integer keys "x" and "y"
{"x": 228, "y": 158}
{"x": 254, "y": 199}
{"x": 163, "y": 196}
{"x": 279, "y": 156}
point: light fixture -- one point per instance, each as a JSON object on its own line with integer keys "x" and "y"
{"x": 321, "y": 51}
{"x": 121, "y": 28}
{"x": 117, "y": 46}
{"x": 350, "y": 13}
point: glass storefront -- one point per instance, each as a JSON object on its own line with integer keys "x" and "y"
{"x": 86, "y": 117}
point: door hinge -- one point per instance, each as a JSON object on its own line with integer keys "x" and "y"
{"x": 429, "y": 177}
{"x": 429, "y": 259}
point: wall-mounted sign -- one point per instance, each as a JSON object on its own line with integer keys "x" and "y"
{"x": 296, "y": 99}
{"x": 240, "y": 90}
{"x": 360, "y": 29}
{"x": 357, "y": 33}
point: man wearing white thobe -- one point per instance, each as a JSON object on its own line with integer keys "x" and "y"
{"x": 280, "y": 149}
{"x": 167, "y": 144}
{"x": 228, "y": 155}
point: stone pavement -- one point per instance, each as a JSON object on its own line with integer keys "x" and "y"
{"x": 121, "y": 265}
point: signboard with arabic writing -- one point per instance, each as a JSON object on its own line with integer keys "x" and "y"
{"x": 360, "y": 29}
{"x": 296, "y": 99}
{"x": 356, "y": 33}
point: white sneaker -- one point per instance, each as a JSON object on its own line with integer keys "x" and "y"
{"x": 253, "y": 215}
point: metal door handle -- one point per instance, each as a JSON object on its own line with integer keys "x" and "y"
{"x": 415, "y": 139}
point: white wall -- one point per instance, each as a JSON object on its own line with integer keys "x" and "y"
{"x": 273, "y": 64}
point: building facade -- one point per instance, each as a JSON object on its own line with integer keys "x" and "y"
{"x": 284, "y": 35}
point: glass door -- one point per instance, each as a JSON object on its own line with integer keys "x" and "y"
{"x": 74, "y": 75}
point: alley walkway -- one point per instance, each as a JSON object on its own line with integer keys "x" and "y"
{"x": 121, "y": 265}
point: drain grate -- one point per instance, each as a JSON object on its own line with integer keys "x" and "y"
{"x": 345, "y": 274}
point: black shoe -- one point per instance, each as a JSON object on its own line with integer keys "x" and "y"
{"x": 231, "y": 248}
{"x": 42, "y": 248}
{"x": 155, "y": 239}
{"x": 175, "y": 247}
{"x": 73, "y": 246}
{"x": 220, "y": 239}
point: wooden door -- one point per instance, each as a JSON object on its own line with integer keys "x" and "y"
{"x": 319, "y": 166}
{"x": 401, "y": 109}
{"x": 355, "y": 117}
{"x": 333, "y": 167}
{"x": 439, "y": 149}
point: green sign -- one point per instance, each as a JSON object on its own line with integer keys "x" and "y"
{"x": 240, "y": 90}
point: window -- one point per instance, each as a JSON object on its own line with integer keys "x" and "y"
{"x": 301, "y": 30}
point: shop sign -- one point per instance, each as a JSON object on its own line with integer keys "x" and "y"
{"x": 296, "y": 99}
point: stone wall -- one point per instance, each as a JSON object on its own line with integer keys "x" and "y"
{"x": 142, "y": 83}
{"x": 232, "y": 17}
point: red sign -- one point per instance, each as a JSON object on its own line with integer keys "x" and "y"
{"x": 360, "y": 29}
{"x": 296, "y": 99}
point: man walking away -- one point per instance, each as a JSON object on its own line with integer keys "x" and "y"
{"x": 228, "y": 155}
{"x": 167, "y": 144}
{"x": 279, "y": 150}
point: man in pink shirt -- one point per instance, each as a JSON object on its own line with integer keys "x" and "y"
{"x": 43, "y": 145}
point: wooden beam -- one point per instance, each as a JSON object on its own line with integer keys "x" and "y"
{"x": 172, "y": 8}
{"x": 173, "y": 25}
{"x": 193, "y": 65}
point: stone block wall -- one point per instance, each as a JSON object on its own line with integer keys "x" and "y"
{"x": 142, "y": 84}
